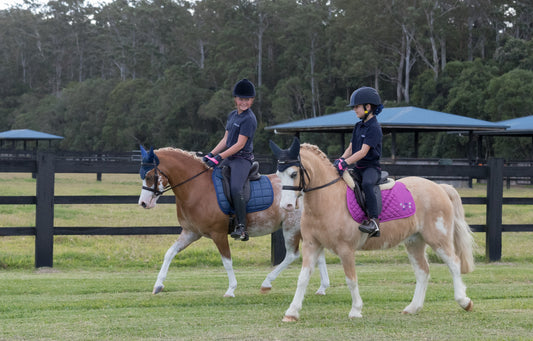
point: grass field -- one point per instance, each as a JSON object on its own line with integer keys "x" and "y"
{"x": 100, "y": 286}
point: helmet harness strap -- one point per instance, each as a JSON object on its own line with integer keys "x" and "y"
{"x": 366, "y": 113}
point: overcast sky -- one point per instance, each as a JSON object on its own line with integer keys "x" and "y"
{"x": 9, "y": 3}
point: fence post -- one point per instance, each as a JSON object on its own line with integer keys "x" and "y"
{"x": 277, "y": 247}
{"x": 493, "y": 236}
{"x": 44, "y": 211}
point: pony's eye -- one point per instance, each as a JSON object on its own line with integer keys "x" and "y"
{"x": 293, "y": 175}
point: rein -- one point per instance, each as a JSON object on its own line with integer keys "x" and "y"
{"x": 303, "y": 171}
{"x": 168, "y": 187}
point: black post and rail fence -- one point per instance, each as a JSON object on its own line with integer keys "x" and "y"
{"x": 45, "y": 165}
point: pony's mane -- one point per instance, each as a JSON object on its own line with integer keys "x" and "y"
{"x": 185, "y": 153}
{"x": 315, "y": 150}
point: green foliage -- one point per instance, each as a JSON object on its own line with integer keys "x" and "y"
{"x": 468, "y": 94}
{"x": 111, "y": 76}
{"x": 509, "y": 96}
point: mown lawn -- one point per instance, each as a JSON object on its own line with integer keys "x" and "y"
{"x": 117, "y": 305}
{"x": 100, "y": 286}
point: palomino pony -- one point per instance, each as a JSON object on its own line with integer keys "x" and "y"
{"x": 326, "y": 223}
{"x": 200, "y": 216}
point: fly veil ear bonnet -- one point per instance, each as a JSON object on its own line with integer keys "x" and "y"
{"x": 286, "y": 157}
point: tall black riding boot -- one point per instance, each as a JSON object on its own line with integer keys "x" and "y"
{"x": 240, "y": 211}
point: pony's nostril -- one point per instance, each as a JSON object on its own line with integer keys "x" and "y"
{"x": 143, "y": 204}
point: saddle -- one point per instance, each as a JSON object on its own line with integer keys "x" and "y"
{"x": 383, "y": 183}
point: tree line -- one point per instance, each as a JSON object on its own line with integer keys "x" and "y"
{"x": 160, "y": 72}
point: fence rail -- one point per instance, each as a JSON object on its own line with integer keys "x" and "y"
{"x": 45, "y": 165}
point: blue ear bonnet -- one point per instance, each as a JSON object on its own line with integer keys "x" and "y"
{"x": 149, "y": 161}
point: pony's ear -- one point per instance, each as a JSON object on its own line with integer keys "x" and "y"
{"x": 144, "y": 153}
{"x": 294, "y": 149}
{"x": 152, "y": 156}
{"x": 275, "y": 149}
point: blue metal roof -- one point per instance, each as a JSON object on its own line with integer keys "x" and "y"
{"x": 391, "y": 119}
{"x": 27, "y": 134}
{"x": 519, "y": 125}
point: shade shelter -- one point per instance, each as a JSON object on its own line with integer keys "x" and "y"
{"x": 26, "y": 135}
{"x": 393, "y": 121}
{"x": 521, "y": 126}
{"x": 517, "y": 127}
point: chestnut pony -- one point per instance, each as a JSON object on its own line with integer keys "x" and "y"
{"x": 200, "y": 216}
{"x": 326, "y": 223}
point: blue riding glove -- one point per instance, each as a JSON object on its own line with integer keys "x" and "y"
{"x": 341, "y": 165}
{"x": 213, "y": 161}
{"x": 205, "y": 158}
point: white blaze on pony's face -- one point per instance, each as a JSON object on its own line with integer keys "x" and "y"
{"x": 289, "y": 198}
{"x": 148, "y": 198}
{"x": 288, "y": 172}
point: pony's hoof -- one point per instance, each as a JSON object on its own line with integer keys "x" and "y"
{"x": 469, "y": 306}
{"x": 229, "y": 295}
{"x": 287, "y": 318}
{"x": 320, "y": 293}
{"x": 158, "y": 289}
{"x": 265, "y": 290}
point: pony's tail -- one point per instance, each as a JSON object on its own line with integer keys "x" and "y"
{"x": 462, "y": 237}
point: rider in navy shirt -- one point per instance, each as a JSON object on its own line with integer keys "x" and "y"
{"x": 365, "y": 151}
{"x": 235, "y": 150}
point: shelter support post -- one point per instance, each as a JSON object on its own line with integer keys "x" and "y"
{"x": 44, "y": 211}
{"x": 393, "y": 147}
{"x": 493, "y": 250}
{"x": 416, "y": 144}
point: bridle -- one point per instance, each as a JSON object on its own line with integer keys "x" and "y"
{"x": 168, "y": 187}
{"x": 303, "y": 174}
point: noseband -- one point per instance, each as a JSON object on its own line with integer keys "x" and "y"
{"x": 168, "y": 187}
{"x": 303, "y": 174}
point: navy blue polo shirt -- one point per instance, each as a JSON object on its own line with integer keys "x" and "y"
{"x": 243, "y": 124}
{"x": 369, "y": 133}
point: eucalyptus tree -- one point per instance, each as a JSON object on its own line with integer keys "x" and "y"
{"x": 67, "y": 31}
{"x": 118, "y": 38}
{"x": 23, "y": 55}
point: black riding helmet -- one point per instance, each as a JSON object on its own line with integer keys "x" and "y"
{"x": 244, "y": 89}
{"x": 364, "y": 95}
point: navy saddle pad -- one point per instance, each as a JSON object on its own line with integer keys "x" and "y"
{"x": 261, "y": 194}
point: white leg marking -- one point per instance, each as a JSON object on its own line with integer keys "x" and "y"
{"x": 357, "y": 302}
{"x": 183, "y": 241}
{"x": 458, "y": 286}
{"x": 228, "y": 265}
{"x": 324, "y": 277}
{"x": 422, "y": 279}
{"x": 289, "y": 258}
{"x": 303, "y": 281}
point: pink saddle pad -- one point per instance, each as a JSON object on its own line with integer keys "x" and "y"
{"x": 397, "y": 202}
